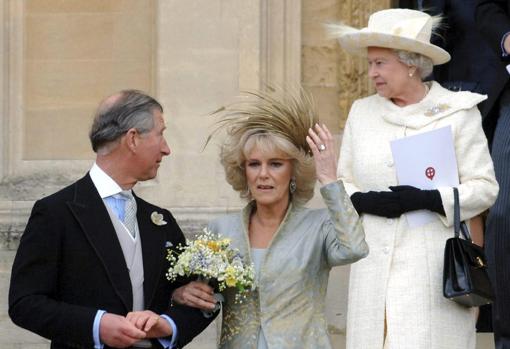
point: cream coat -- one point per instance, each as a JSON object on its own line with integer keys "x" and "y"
{"x": 289, "y": 300}
{"x": 401, "y": 279}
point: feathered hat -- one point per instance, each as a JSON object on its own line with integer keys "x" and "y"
{"x": 287, "y": 113}
{"x": 399, "y": 29}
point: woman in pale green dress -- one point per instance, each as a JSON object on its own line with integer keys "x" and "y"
{"x": 273, "y": 155}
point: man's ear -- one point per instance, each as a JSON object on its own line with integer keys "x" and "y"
{"x": 131, "y": 139}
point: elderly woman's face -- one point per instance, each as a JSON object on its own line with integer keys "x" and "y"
{"x": 268, "y": 175}
{"x": 389, "y": 75}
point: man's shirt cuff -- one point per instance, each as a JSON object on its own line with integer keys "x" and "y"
{"x": 95, "y": 330}
{"x": 503, "y": 51}
{"x": 165, "y": 342}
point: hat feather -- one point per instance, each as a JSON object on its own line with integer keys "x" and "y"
{"x": 437, "y": 22}
{"x": 287, "y": 113}
{"x": 336, "y": 30}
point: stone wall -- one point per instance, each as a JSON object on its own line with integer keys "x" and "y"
{"x": 58, "y": 58}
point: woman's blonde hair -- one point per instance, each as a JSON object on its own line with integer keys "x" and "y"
{"x": 234, "y": 153}
{"x": 269, "y": 121}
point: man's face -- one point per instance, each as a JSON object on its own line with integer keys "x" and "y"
{"x": 151, "y": 149}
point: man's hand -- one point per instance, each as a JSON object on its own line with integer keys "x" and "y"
{"x": 117, "y": 332}
{"x": 195, "y": 294}
{"x": 151, "y": 323}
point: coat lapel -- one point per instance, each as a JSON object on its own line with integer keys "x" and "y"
{"x": 90, "y": 211}
{"x": 153, "y": 249}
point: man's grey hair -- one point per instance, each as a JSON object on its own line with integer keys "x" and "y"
{"x": 119, "y": 113}
{"x": 422, "y": 63}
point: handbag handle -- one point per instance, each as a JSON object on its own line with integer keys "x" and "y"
{"x": 459, "y": 227}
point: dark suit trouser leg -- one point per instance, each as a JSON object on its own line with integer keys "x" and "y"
{"x": 502, "y": 343}
{"x": 498, "y": 229}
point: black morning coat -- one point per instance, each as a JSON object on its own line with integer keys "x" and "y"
{"x": 493, "y": 22}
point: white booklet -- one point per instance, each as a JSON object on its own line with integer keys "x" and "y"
{"x": 426, "y": 161}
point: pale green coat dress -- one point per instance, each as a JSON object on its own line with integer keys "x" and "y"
{"x": 401, "y": 279}
{"x": 289, "y": 302}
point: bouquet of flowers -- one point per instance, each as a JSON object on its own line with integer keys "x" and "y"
{"x": 210, "y": 257}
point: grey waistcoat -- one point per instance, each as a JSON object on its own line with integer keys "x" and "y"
{"x": 132, "y": 250}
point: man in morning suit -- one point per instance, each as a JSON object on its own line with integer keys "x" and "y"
{"x": 493, "y": 21}
{"x": 94, "y": 252}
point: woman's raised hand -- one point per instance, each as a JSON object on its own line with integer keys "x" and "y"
{"x": 324, "y": 151}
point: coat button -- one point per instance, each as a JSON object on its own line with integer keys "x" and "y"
{"x": 389, "y": 163}
{"x": 386, "y": 250}
{"x": 389, "y": 220}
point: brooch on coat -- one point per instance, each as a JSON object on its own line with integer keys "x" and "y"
{"x": 437, "y": 109}
{"x": 157, "y": 218}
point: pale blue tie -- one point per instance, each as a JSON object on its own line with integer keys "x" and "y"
{"x": 129, "y": 211}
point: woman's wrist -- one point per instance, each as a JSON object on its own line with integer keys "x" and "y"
{"x": 326, "y": 181}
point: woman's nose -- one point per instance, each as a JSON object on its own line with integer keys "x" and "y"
{"x": 263, "y": 171}
{"x": 372, "y": 73}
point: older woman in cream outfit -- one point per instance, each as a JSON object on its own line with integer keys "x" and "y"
{"x": 395, "y": 294}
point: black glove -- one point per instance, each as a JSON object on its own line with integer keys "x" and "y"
{"x": 379, "y": 203}
{"x": 412, "y": 199}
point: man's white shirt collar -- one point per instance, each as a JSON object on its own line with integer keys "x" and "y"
{"x": 104, "y": 184}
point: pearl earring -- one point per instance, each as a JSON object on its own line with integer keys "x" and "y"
{"x": 292, "y": 185}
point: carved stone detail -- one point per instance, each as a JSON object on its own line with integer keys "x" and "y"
{"x": 353, "y": 79}
{"x": 334, "y": 77}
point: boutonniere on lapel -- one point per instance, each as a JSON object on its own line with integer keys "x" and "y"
{"x": 437, "y": 109}
{"x": 157, "y": 218}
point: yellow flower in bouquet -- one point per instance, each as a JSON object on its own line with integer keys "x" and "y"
{"x": 213, "y": 245}
{"x": 211, "y": 257}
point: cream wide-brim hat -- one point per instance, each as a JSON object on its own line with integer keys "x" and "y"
{"x": 399, "y": 29}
